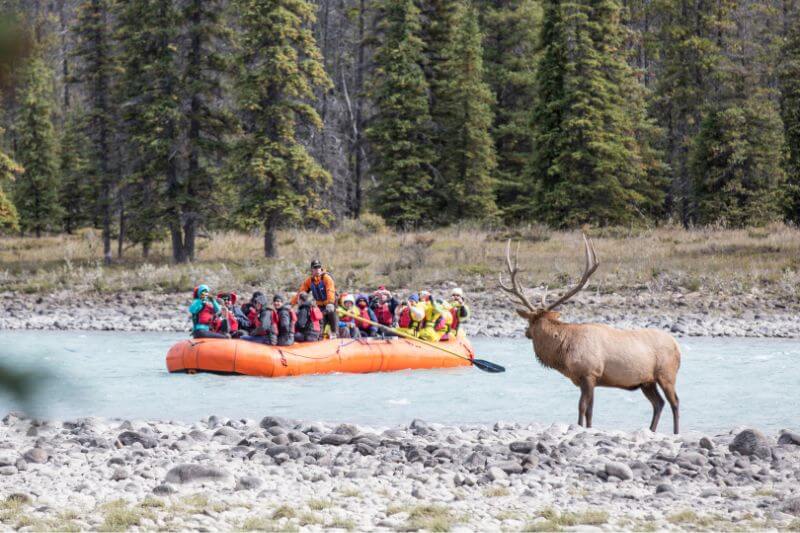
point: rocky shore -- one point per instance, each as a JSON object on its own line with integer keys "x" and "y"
{"x": 277, "y": 474}
{"x": 751, "y": 314}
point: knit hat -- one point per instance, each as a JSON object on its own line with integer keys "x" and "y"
{"x": 278, "y": 297}
{"x": 414, "y": 297}
{"x": 457, "y": 292}
{"x": 348, "y": 298}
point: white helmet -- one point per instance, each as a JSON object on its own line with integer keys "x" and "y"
{"x": 457, "y": 292}
{"x": 349, "y": 298}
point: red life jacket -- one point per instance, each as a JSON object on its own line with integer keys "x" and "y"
{"x": 383, "y": 314}
{"x": 315, "y": 317}
{"x": 206, "y": 315}
{"x": 364, "y": 313}
{"x": 252, "y": 317}
{"x": 276, "y": 321}
{"x": 454, "y": 311}
{"x": 233, "y": 324}
{"x": 405, "y": 318}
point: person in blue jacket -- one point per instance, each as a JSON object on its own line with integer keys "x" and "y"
{"x": 203, "y": 309}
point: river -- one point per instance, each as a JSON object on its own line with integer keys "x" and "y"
{"x": 723, "y": 383}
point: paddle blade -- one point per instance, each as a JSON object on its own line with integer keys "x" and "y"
{"x": 488, "y": 366}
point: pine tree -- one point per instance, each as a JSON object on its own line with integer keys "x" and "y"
{"x": 467, "y": 161}
{"x": 36, "y": 190}
{"x": 689, "y": 55}
{"x": 280, "y": 68}
{"x": 790, "y": 110}
{"x": 94, "y": 71}
{"x": 511, "y": 29}
{"x": 191, "y": 200}
{"x": 147, "y": 32}
{"x": 400, "y": 132}
{"x": 75, "y": 191}
{"x": 588, "y": 159}
{"x": 736, "y": 161}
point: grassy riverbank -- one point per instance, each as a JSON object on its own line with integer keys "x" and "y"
{"x": 657, "y": 260}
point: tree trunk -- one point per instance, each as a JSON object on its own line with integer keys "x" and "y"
{"x": 121, "y": 237}
{"x": 64, "y": 55}
{"x": 178, "y": 248}
{"x": 358, "y": 95}
{"x": 270, "y": 237}
{"x": 146, "y": 249}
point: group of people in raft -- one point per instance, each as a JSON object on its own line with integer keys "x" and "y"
{"x": 317, "y": 311}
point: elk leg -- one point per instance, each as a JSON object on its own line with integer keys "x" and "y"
{"x": 585, "y": 405}
{"x": 651, "y": 393}
{"x": 672, "y": 397}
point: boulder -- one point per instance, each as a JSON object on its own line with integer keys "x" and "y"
{"x": 164, "y": 490}
{"x": 620, "y": 470}
{"x": 188, "y": 473}
{"x": 706, "y": 443}
{"x": 127, "y": 438}
{"x": 522, "y": 446}
{"x": 36, "y": 455}
{"x": 248, "y": 483}
{"x": 789, "y": 437}
{"x": 270, "y": 421}
{"x": 496, "y": 474}
{"x": 335, "y": 439}
{"x": 751, "y": 442}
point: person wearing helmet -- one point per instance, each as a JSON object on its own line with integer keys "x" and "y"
{"x": 346, "y": 323}
{"x": 362, "y": 310}
{"x": 225, "y": 321}
{"x": 203, "y": 310}
{"x": 384, "y": 305}
{"x": 321, "y": 286}
{"x": 458, "y": 309}
{"x": 409, "y": 315}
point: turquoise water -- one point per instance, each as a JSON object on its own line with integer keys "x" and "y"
{"x": 723, "y": 383}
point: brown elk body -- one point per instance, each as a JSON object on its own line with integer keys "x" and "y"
{"x": 596, "y": 355}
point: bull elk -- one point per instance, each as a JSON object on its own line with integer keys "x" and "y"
{"x": 596, "y": 355}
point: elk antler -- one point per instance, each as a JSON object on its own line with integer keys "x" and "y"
{"x": 515, "y": 289}
{"x": 591, "y": 265}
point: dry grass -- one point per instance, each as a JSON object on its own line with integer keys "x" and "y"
{"x": 557, "y": 521}
{"x": 710, "y": 259}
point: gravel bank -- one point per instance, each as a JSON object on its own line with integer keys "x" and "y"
{"x": 752, "y": 314}
{"x": 282, "y": 475}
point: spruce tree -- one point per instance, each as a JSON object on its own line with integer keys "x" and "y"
{"x": 400, "y": 131}
{"x": 280, "y": 66}
{"x": 736, "y": 161}
{"x": 790, "y": 111}
{"x": 75, "y": 191}
{"x": 588, "y": 162}
{"x": 36, "y": 189}
{"x": 511, "y": 29}
{"x": 467, "y": 161}
{"x": 191, "y": 201}
{"x": 94, "y": 70}
{"x": 148, "y": 92}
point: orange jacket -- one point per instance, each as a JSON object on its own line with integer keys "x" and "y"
{"x": 330, "y": 289}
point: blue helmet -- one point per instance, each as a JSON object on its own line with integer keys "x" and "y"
{"x": 200, "y": 289}
{"x": 414, "y": 297}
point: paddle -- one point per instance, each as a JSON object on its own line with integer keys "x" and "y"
{"x": 482, "y": 364}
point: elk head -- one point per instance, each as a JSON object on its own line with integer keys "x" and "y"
{"x": 530, "y": 312}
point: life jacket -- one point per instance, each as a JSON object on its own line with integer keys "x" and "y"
{"x": 314, "y": 317}
{"x": 405, "y": 320}
{"x": 344, "y": 314}
{"x": 206, "y": 315}
{"x": 276, "y": 322}
{"x": 318, "y": 290}
{"x": 364, "y": 314}
{"x": 383, "y": 314}
{"x": 454, "y": 311}
{"x": 435, "y": 318}
{"x": 233, "y": 324}
{"x": 252, "y": 317}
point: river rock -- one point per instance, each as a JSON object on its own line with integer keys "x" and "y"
{"x": 706, "y": 443}
{"x": 522, "y": 446}
{"x": 188, "y": 473}
{"x": 36, "y": 455}
{"x": 664, "y": 487}
{"x": 496, "y": 474}
{"x": 270, "y": 421}
{"x": 248, "y": 483}
{"x": 119, "y": 474}
{"x": 789, "y": 437}
{"x": 335, "y": 439}
{"x": 128, "y": 438}
{"x": 751, "y": 442}
{"x": 164, "y": 490}
{"x": 620, "y": 470}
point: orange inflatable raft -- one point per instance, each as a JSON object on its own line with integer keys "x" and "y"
{"x": 340, "y": 355}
